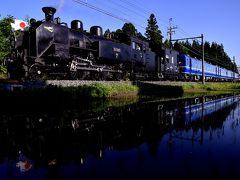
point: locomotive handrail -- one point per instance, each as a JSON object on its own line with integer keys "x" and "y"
{"x": 86, "y": 60}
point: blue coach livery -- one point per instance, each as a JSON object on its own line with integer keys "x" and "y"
{"x": 192, "y": 68}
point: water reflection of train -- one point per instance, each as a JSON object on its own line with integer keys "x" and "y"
{"x": 198, "y": 111}
{"x": 58, "y": 138}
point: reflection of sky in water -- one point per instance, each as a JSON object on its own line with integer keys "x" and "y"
{"x": 148, "y": 143}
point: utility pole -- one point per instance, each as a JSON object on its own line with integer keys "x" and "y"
{"x": 171, "y": 31}
{"x": 203, "y": 74}
{"x": 233, "y": 63}
{"x": 234, "y": 69}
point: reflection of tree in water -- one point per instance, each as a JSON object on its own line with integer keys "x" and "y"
{"x": 57, "y": 137}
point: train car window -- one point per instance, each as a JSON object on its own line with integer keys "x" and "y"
{"x": 133, "y": 45}
{"x": 136, "y": 46}
{"x": 167, "y": 59}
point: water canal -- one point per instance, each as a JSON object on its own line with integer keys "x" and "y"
{"x": 132, "y": 139}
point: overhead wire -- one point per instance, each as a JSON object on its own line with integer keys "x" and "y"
{"x": 205, "y": 57}
{"x": 210, "y": 58}
{"x": 135, "y": 6}
{"x": 145, "y": 10}
{"x": 138, "y": 11}
{"x": 101, "y": 10}
{"x": 128, "y": 21}
{"x": 112, "y": 8}
{"x": 81, "y": 2}
{"x": 128, "y": 9}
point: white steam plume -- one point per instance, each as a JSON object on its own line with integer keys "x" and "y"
{"x": 60, "y": 5}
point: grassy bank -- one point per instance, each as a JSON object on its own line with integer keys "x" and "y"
{"x": 3, "y": 76}
{"x": 122, "y": 89}
{"x": 100, "y": 90}
{"x": 189, "y": 88}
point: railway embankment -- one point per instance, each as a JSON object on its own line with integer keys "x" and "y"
{"x": 112, "y": 89}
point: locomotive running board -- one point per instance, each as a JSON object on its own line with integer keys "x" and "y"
{"x": 98, "y": 70}
{"x": 89, "y": 66}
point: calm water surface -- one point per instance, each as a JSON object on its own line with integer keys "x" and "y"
{"x": 193, "y": 139}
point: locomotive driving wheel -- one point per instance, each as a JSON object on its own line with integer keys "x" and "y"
{"x": 36, "y": 72}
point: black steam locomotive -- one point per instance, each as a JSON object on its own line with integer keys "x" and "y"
{"x": 49, "y": 49}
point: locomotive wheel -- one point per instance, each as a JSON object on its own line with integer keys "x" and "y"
{"x": 74, "y": 75}
{"x": 99, "y": 76}
{"x": 36, "y": 72}
{"x": 80, "y": 75}
{"x": 117, "y": 76}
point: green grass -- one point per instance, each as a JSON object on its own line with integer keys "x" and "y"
{"x": 211, "y": 87}
{"x": 101, "y": 90}
{"x": 3, "y": 76}
{"x": 98, "y": 90}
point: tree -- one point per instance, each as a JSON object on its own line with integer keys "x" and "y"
{"x": 5, "y": 36}
{"x": 196, "y": 49}
{"x": 129, "y": 29}
{"x": 167, "y": 43}
{"x": 218, "y": 56}
{"x": 140, "y": 36}
{"x": 153, "y": 34}
{"x": 181, "y": 47}
{"x": 207, "y": 50}
{"x": 107, "y": 33}
{"x": 213, "y": 50}
{"x": 176, "y": 46}
{"x": 186, "y": 47}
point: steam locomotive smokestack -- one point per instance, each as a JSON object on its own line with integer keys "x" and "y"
{"x": 49, "y": 13}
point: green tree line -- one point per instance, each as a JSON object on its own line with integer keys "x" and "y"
{"x": 5, "y": 46}
{"x": 214, "y": 52}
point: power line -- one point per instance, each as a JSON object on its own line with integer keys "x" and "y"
{"x": 106, "y": 13}
{"x": 138, "y": 13}
{"x": 112, "y": 8}
{"x": 148, "y": 11}
{"x": 199, "y": 53}
{"x": 120, "y": 8}
{"x": 100, "y": 10}
{"x": 135, "y": 6}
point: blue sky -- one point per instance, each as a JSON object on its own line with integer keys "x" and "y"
{"x": 218, "y": 20}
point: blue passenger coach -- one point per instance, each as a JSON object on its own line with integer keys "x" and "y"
{"x": 191, "y": 68}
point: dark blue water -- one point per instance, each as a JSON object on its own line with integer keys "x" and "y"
{"x": 192, "y": 139}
